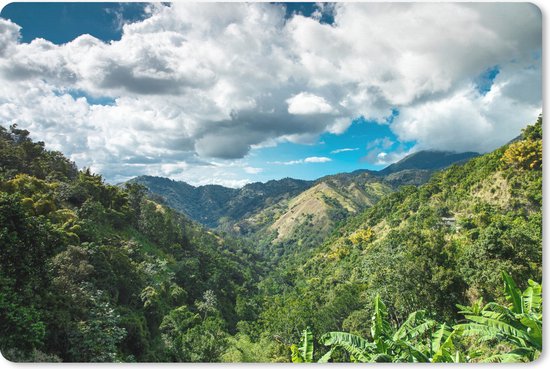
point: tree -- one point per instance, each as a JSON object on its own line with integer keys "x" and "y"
{"x": 208, "y": 303}
{"x": 190, "y": 339}
{"x": 96, "y": 338}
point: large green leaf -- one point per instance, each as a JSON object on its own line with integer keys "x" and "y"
{"x": 410, "y": 351}
{"x": 439, "y": 337}
{"x": 446, "y": 352}
{"x": 532, "y": 298}
{"x": 380, "y": 326}
{"x": 306, "y": 345}
{"x": 354, "y": 345}
{"x": 513, "y": 293}
{"x": 504, "y": 358}
{"x": 295, "y": 354}
{"x": 326, "y": 357}
{"x": 534, "y": 326}
{"x": 416, "y": 325}
{"x": 492, "y": 328}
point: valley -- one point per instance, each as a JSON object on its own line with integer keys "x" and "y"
{"x": 159, "y": 270}
{"x": 287, "y": 213}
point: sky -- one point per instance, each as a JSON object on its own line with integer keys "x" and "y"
{"x": 233, "y": 93}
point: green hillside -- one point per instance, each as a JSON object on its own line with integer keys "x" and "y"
{"x": 298, "y": 223}
{"x": 422, "y": 248}
{"x": 93, "y": 272}
{"x": 428, "y": 160}
{"x": 210, "y": 204}
{"x": 353, "y": 267}
{"x": 290, "y": 216}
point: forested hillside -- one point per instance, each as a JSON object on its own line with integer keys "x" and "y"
{"x": 95, "y": 272}
{"x": 289, "y": 216}
{"x": 214, "y": 204}
{"x": 422, "y": 248}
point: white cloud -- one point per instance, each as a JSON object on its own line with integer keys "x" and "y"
{"x": 9, "y": 34}
{"x": 306, "y": 103}
{"x": 317, "y": 159}
{"x": 290, "y": 162}
{"x": 384, "y": 151}
{"x": 253, "y": 170}
{"x": 196, "y": 81}
{"x": 466, "y": 121}
{"x": 347, "y": 149}
{"x": 233, "y": 183}
{"x": 311, "y": 159}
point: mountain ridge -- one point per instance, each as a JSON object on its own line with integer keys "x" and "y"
{"x": 235, "y": 203}
{"x": 280, "y": 215}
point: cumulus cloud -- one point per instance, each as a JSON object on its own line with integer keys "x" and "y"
{"x": 9, "y": 34}
{"x": 194, "y": 82}
{"x": 306, "y": 103}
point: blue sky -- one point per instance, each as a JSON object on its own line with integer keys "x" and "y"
{"x": 63, "y": 22}
{"x": 324, "y": 96}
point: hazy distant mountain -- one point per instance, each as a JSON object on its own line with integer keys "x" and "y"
{"x": 291, "y": 211}
{"x": 428, "y": 160}
{"x": 208, "y": 204}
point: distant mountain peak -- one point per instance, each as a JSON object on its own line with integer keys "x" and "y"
{"x": 428, "y": 160}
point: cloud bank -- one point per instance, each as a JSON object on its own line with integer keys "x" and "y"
{"x": 197, "y": 82}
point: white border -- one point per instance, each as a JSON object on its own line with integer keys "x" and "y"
{"x": 541, "y": 362}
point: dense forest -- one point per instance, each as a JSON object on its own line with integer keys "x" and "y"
{"x": 445, "y": 271}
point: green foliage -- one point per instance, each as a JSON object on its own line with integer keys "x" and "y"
{"x": 303, "y": 353}
{"x": 19, "y": 154}
{"x": 90, "y": 271}
{"x": 96, "y": 339}
{"x": 190, "y": 339}
{"x": 527, "y": 153}
{"x": 421, "y": 339}
{"x": 524, "y": 155}
{"x": 94, "y": 272}
{"x": 519, "y": 324}
{"x": 242, "y": 349}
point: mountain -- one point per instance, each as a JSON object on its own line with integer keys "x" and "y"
{"x": 203, "y": 204}
{"x": 426, "y": 248}
{"x": 306, "y": 219}
{"x": 94, "y": 272}
{"x": 209, "y": 204}
{"x": 428, "y": 160}
{"x": 283, "y": 216}
{"x": 291, "y": 211}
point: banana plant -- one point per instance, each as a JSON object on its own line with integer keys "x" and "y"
{"x": 519, "y": 323}
{"x": 303, "y": 353}
{"x": 418, "y": 339}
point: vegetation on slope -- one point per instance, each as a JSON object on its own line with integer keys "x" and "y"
{"x": 516, "y": 325}
{"x": 289, "y": 217}
{"x": 213, "y": 205}
{"x": 93, "y": 272}
{"x": 421, "y": 248}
